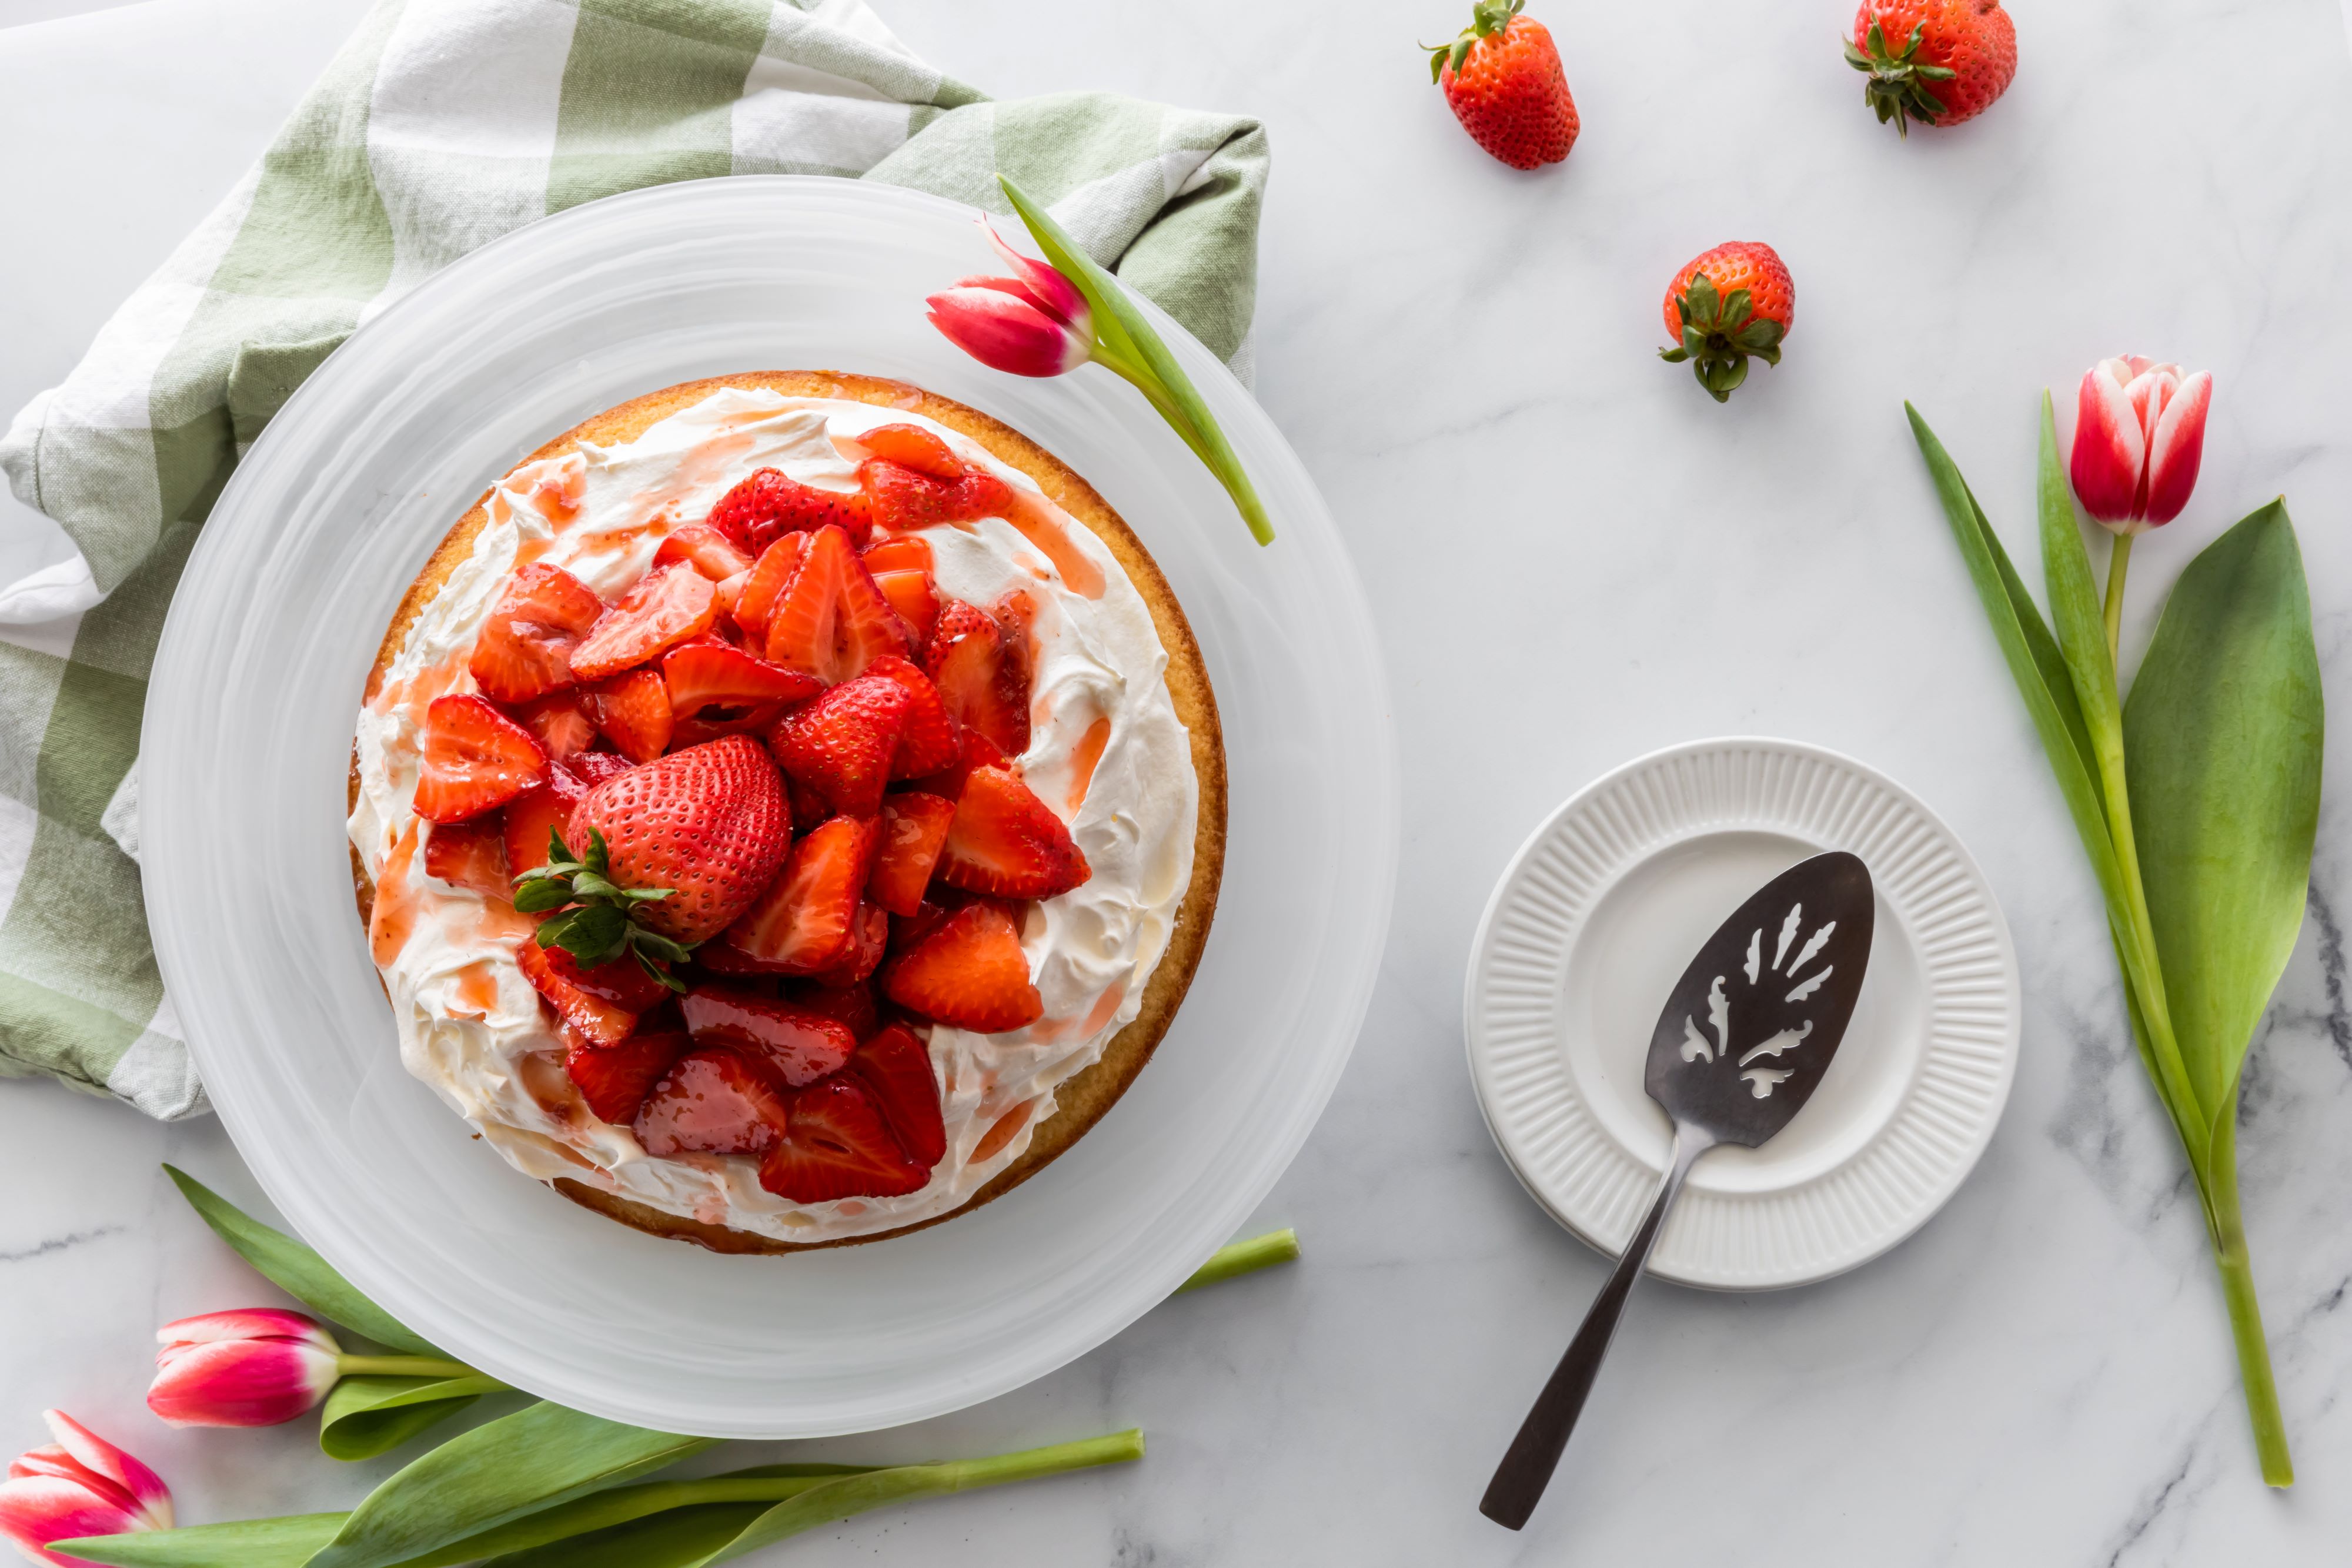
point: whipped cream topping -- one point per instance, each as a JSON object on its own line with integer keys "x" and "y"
{"x": 1106, "y": 752}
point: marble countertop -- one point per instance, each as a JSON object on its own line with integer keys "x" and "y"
{"x": 1575, "y": 557}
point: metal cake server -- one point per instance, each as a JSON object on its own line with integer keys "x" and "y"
{"x": 1746, "y": 1036}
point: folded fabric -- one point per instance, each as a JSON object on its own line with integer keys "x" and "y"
{"x": 440, "y": 125}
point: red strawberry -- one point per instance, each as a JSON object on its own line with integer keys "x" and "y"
{"x": 804, "y": 923}
{"x": 870, "y": 939}
{"x": 585, "y": 999}
{"x": 594, "y": 767}
{"x": 900, "y": 553}
{"x": 970, "y": 973}
{"x": 931, "y": 740}
{"x": 836, "y": 1147}
{"x": 1006, "y": 842}
{"x": 809, "y": 808}
{"x": 978, "y": 751}
{"x": 896, "y": 1069}
{"x": 832, "y": 621}
{"x": 475, "y": 758}
{"x": 1503, "y": 79}
{"x": 1726, "y": 304}
{"x": 904, "y": 499}
{"x": 560, "y": 723}
{"x": 770, "y": 576}
{"x": 530, "y": 817}
{"x": 705, "y": 549}
{"x": 632, "y": 711}
{"x": 707, "y": 822}
{"x": 909, "y": 931}
{"x": 916, "y": 598}
{"x": 471, "y": 855}
{"x": 720, "y": 956}
{"x": 912, "y": 446}
{"x": 852, "y": 1004}
{"x": 771, "y": 503}
{"x": 666, "y": 607}
{"x": 984, "y": 682}
{"x": 1937, "y": 61}
{"x": 525, "y": 647}
{"x": 913, "y": 829}
{"x": 802, "y": 1046}
{"x": 615, "y": 1079}
{"x": 842, "y": 744}
{"x": 713, "y": 1102}
{"x": 715, "y": 682}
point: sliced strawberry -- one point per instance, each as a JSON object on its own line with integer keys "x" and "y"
{"x": 705, "y": 549}
{"x": 970, "y": 973}
{"x": 771, "y": 575}
{"x": 714, "y": 1101}
{"x": 837, "y": 1145}
{"x": 916, "y": 599}
{"x": 475, "y": 758}
{"x": 802, "y": 1046}
{"x": 978, "y": 751}
{"x": 804, "y": 923}
{"x": 623, "y": 982}
{"x": 560, "y": 723}
{"x": 912, "y": 446}
{"x": 931, "y": 740}
{"x": 896, "y": 1069}
{"x": 832, "y": 621}
{"x": 904, "y": 499}
{"x": 531, "y": 816}
{"x": 667, "y": 606}
{"x": 525, "y": 647}
{"x": 900, "y": 553}
{"x": 771, "y": 503}
{"x": 632, "y": 710}
{"x": 842, "y": 744}
{"x": 595, "y": 1016}
{"x": 713, "y": 683}
{"x": 852, "y": 1004}
{"x": 809, "y": 808}
{"x": 984, "y": 682}
{"x": 909, "y": 931}
{"x": 1004, "y": 840}
{"x": 869, "y": 940}
{"x": 913, "y": 828}
{"x": 615, "y": 1079}
{"x": 720, "y": 956}
{"x": 470, "y": 855}
{"x": 594, "y": 767}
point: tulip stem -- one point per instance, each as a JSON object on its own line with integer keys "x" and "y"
{"x": 2118, "y": 564}
{"x": 401, "y": 1366}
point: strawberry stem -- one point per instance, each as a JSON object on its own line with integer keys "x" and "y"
{"x": 1897, "y": 87}
{"x": 596, "y": 920}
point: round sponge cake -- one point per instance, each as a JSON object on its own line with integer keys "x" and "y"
{"x": 1080, "y": 1101}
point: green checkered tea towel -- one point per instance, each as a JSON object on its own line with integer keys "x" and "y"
{"x": 442, "y": 124}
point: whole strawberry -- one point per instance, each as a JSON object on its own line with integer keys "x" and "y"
{"x": 1729, "y": 303}
{"x": 1503, "y": 78}
{"x": 1936, "y": 61}
{"x": 659, "y": 857}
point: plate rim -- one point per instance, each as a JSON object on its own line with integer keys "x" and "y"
{"x": 1477, "y": 977}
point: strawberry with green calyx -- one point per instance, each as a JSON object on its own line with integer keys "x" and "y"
{"x": 595, "y": 923}
{"x": 1503, "y": 81}
{"x": 1956, "y": 56}
{"x": 1735, "y": 301}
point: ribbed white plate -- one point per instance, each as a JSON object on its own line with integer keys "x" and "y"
{"x": 1596, "y": 917}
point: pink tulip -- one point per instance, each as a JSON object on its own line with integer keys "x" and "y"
{"x": 252, "y": 1368}
{"x": 2139, "y": 430}
{"x": 79, "y": 1485}
{"x": 1033, "y": 324}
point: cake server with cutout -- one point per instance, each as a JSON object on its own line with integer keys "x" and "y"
{"x": 1743, "y": 1042}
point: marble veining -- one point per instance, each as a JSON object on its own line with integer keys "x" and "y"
{"x": 1576, "y": 557}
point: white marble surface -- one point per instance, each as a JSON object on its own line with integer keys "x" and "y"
{"x": 1576, "y": 557}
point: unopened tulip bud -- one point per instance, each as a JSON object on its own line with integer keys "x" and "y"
{"x": 79, "y": 1486}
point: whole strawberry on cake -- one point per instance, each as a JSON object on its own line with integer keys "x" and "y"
{"x": 787, "y": 810}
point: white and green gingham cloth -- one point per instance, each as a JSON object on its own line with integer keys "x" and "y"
{"x": 440, "y": 125}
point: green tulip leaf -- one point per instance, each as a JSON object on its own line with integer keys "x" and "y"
{"x": 2222, "y": 735}
{"x": 295, "y": 1269}
{"x": 284, "y": 1542}
{"x": 678, "y": 1539}
{"x": 536, "y": 1459}
{"x": 367, "y": 1416}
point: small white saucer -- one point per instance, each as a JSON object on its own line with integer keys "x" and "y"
{"x": 1592, "y": 925}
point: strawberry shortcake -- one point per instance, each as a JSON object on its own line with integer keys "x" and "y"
{"x": 787, "y": 810}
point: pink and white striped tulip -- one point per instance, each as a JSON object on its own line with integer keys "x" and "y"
{"x": 2139, "y": 430}
{"x": 1034, "y": 323}
{"x": 251, "y": 1368}
{"x": 79, "y": 1485}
